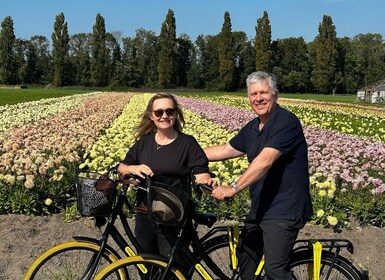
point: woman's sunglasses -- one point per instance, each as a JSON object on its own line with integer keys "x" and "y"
{"x": 159, "y": 113}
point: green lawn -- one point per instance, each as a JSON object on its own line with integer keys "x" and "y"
{"x": 13, "y": 96}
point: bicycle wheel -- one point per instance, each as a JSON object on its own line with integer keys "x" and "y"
{"x": 68, "y": 261}
{"x": 138, "y": 268}
{"x": 342, "y": 269}
{"x": 217, "y": 248}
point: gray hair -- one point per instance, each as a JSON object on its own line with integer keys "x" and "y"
{"x": 260, "y": 76}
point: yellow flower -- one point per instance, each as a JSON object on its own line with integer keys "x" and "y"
{"x": 320, "y": 213}
{"x": 322, "y": 193}
{"x": 48, "y": 202}
{"x": 332, "y": 220}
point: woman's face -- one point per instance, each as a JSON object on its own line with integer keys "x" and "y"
{"x": 163, "y": 113}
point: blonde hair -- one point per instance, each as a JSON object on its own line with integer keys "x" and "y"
{"x": 147, "y": 126}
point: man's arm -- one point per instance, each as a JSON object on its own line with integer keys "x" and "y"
{"x": 222, "y": 152}
{"x": 256, "y": 170}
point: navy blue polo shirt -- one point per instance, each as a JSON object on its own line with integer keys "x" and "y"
{"x": 283, "y": 193}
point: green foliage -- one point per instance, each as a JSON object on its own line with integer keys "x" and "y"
{"x": 263, "y": 52}
{"x": 237, "y": 209}
{"x": 99, "y": 69}
{"x": 60, "y": 48}
{"x": 328, "y": 211}
{"x": 168, "y": 51}
{"x": 366, "y": 207}
{"x": 226, "y": 56}
{"x": 7, "y": 40}
{"x": 325, "y": 63}
{"x": 293, "y": 71}
{"x": 71, "y": 213}
{"x": 12, "y": 96}
{"x": 45, "y": 197}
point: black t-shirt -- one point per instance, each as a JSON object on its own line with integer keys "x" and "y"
{"x": 283, "y": 193}
{"x": 177, "y": 159}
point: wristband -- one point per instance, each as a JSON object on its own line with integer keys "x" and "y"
{"x": 234, "y": 186}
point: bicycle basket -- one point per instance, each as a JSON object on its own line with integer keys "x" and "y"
{"x": 168, "y": 203}
{"x": 95, "y": 194}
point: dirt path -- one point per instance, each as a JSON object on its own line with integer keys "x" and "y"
{"x": 23, "y": 238}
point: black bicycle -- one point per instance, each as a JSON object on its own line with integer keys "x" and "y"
{"x": 213, "y": 257}
{"x": 83, "y": 257}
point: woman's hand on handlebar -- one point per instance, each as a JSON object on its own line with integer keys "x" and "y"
{"x": 140, "y": 170}
{"x": 205, "y": 182}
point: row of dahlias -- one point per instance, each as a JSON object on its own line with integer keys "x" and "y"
{"x": 353, "y": 119}
{"x": 359, "y": 162}
{"x": 47, "y": 147}
{"x": 352, "y": 162}
{"x": 41, "y": 148}
{"x": 111, "y": 148}
{"x": 28, "y": 112}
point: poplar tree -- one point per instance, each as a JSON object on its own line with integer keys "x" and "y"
{"x": 168, "y": 52}
{"x": 263, "y": 52}
{"x": 99, "y": 71}
{"x": 7, "y": 41}
{"x": 60, "y": 48}
{"x": 226, "y": 53}
{"x": 325, "y": 61}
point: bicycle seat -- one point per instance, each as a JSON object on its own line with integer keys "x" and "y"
{"x": 206, "y": 219}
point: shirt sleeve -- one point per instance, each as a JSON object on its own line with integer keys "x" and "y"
{"x": 197, "y": 160}
{"x": 132, "y": 156}
{"x": 238, "y": 141}
{"x": 285, "y": 134}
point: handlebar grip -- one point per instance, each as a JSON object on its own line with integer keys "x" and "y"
{"x": 205, "y": 187}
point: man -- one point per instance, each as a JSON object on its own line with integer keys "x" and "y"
{"x": 277, "y": 177}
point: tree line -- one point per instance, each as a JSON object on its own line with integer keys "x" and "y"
{"x": 326, "y": 65}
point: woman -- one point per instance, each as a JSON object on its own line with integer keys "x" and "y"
{"x": 162, "y": 149}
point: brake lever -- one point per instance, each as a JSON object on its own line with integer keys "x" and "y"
{"x": 210, "y": 190}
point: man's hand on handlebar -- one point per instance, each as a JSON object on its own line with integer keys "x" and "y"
{"x": 223, "y": 193}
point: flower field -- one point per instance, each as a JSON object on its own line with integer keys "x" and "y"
{"x": 43, "y": 143}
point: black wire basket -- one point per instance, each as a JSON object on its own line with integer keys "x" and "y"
{"x": 95, "y": 194}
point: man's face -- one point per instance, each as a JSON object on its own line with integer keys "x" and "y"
{"x": 261, "y": 98}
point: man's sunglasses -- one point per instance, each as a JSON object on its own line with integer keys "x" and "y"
{"x": 159, "y": 113}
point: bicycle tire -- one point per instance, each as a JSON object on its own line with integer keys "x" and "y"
{"x": 302, "y": 262}
{"x": 217, "y": 248}
{"x": 154, "y": 269}
{"x": 69, "y": 260}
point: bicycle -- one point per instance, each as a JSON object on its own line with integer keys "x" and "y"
{"x": 310, "y": 259}
{"x": 85, "y": 256}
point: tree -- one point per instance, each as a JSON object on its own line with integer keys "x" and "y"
{"x": 168, "y": 51}
{"x": 25, "y": 61}
{"x": 99, "y": 69}
{"x": 183, "y": 59}
{"x": 263, "y": 52}
{"x": 80, "y": 56}
{"x": 8, "y": 72}
{"x": 244, "y": 59}
{"x": 194, "y": 74}
{"x": 370, "y": 54}
{"x": 43, "y": 62}
{"x": 291, "y": 64}
{"x": 60, "y": 48}
{"x": 226, "y": 53}
{"x": 325, "y": 61}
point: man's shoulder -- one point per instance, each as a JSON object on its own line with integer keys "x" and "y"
{"x": 283, "y": 113}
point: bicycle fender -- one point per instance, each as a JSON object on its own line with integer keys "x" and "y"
{"x": 97, "y": 242}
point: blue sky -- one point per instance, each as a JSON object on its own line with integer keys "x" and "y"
{"x": 288, "y": 18}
